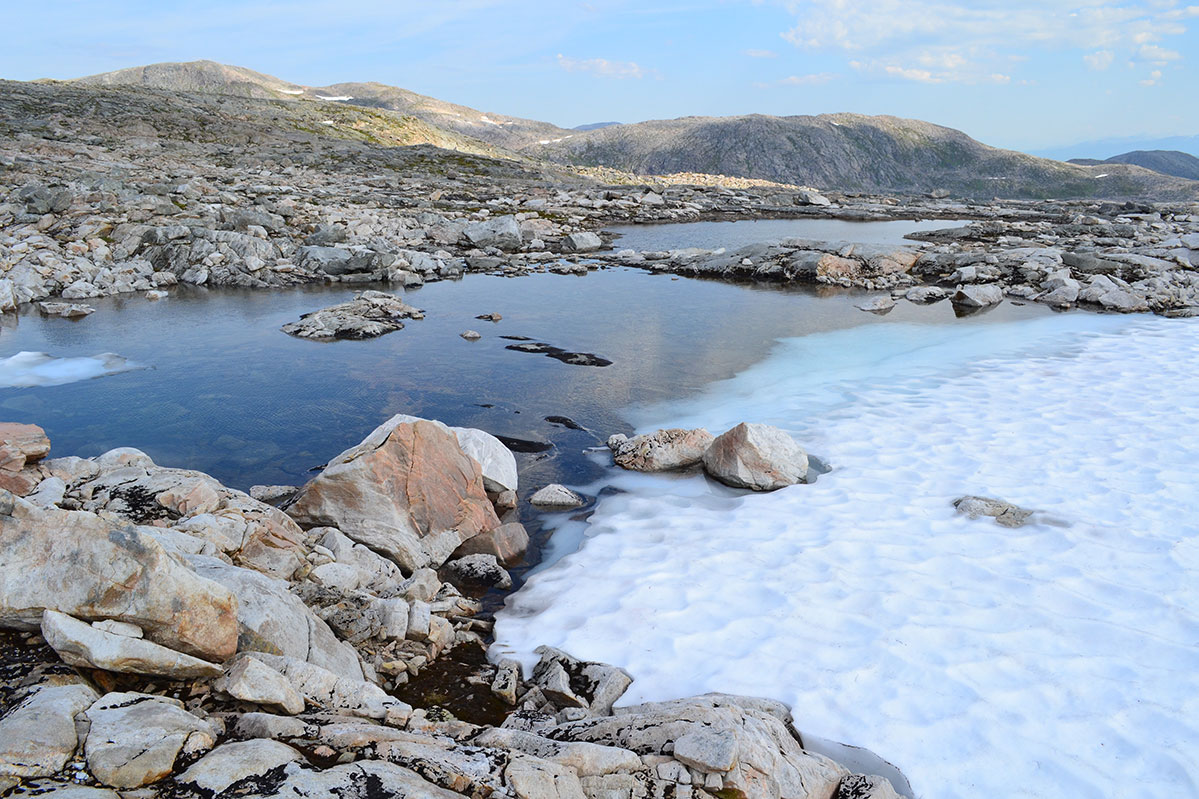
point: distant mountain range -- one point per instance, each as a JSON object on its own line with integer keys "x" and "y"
{"x": 846, "y": 152}
{"x": 1167, "y": 162}
{"x": 1103, "y": 149}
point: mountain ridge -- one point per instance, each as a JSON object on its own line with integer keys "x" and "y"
{"x": 845, "y": 152}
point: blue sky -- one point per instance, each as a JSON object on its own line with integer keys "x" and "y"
{"x": 1019, "y": 74}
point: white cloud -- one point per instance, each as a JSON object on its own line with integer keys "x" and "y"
{"x": 940, "y": 41}
{"x": 761, "y": 53}
{"x": 815, "y": 79}
{"x": 1154, "y": 78}
{"x": 603, "y": 67}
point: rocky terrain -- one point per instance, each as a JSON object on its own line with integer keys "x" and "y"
{"x": 173, "y": 637}
{"x": 116, "y": 190}
{"x": 169, "y": 636}
{"x": 851, "y": 152}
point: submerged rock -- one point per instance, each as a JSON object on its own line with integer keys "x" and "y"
{"x": 67, "y": 310}
{"x": 756, "y": 456}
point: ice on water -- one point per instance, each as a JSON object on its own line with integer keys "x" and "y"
{"x": 1058, "y": 659}
{"x": 27, "y": 369}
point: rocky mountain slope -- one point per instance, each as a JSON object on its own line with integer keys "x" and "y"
{"x": 849, "y": 152}
{"x": 210, "y": 77}
{"x": 844, "y": 152}
{"x": 1167, "y": 162}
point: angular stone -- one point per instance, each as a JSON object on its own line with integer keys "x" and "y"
{"x": 768, "y": 762}
{"x": 1004, "y": 513}
{"x": 77, "y": 563}
{"x": 479, "y": 570}
{"x": 707, "y": 750}
{"x": 662, "y": 450}
{"x": 272, "y": 619}
{"x": 325, "y": 689}
{"x": 134, "y": 739}
{"x": 582, "y": 242}
{"x": 863, "y": 786}
{"x": 38, "y": 736}
{"x": 28, "y": 439}
{"x": 556, "y": 495}
{"x": 507, "y": 543}
{"x": 81, "y": 644}
{"x": 267, "y": 725}
{"x": 501, "y": 232}
{"x": 756, "y": 456}
{"x": 251, "y": 680}
{"x": 233, "y": 762}
{"x": 586, "y": 759}
{"x": 534, "y": 778}
{"x": 408, "y": 490}
{"x": 497, "y": 461}
{"x": 977, "y": 296}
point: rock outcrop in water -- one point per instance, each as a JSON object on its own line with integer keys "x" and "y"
{"x": 369, "y": 315}
{"x": 257, "y": 681}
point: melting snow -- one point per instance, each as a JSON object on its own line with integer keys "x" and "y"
{"x": 26, "y": 369}
{"x": 1057, "y": 659}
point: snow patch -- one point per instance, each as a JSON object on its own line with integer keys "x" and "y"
{"x": 1049, "y": 660}
{"x": 28, "y": 369}
{"x": 291, "y": 91}
{"x": 334, "y": 99}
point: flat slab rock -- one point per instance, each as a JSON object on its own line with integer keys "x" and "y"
{"x": 1004, "y": 513}
{"x": 368, "y": 315}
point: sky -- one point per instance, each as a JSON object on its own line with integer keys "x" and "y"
{"x": 1022, "y": 74}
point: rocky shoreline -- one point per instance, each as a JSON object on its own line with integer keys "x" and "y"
{"x": 173, "y": 637}
{"x": 89, "y": 209}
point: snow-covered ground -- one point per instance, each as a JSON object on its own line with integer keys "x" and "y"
{"x": 1060, "y": 659}
{"x": 26, "y": 369}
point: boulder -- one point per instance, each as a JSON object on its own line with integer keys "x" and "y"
{"x": 866, "y": 786}
{"x": 879, "y": 305}
{"x": 67, "y": 310}
{"x": 408, "y": 491}
{"x": 556, "y": 495}
{"x": 134, "y": 739}
{"x": 810, "y": 198}
{"x": 756, "y": 456}
{"x": 924, "y": 295}
{"x": 978, "y": 295}
{"x": 501, "y": 232}
{"x": 232, "y": 762}
{"x": 28, "y": 439}
{"x": 569, "y": 682}
{"x": 325, "y": 689}
{"x": 507, "y": 543}
{"x": 250, "y": 680}
{"x": 272, "y": 619}
{"x": 582, "y": 242}
{"x": 38, "y": 737}
{"x": 375, "y": 573}
{"x": 80, "y": 564}
{"x": 368, "y": 315}
{"x": 81, "y": 644}
{"x": 479, "y": 570}
{"x": 497, "y": 461}
{"x": 749, "y": 743}
{"x": 585, "y": 759}
{"x": 661, "y": 450}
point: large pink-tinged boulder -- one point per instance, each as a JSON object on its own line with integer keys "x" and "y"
{"x": 20, "y": 445}
{"x": 82, "y": 565}
{"x": 408, "y": 491}
{"x": 756, "y": 456}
